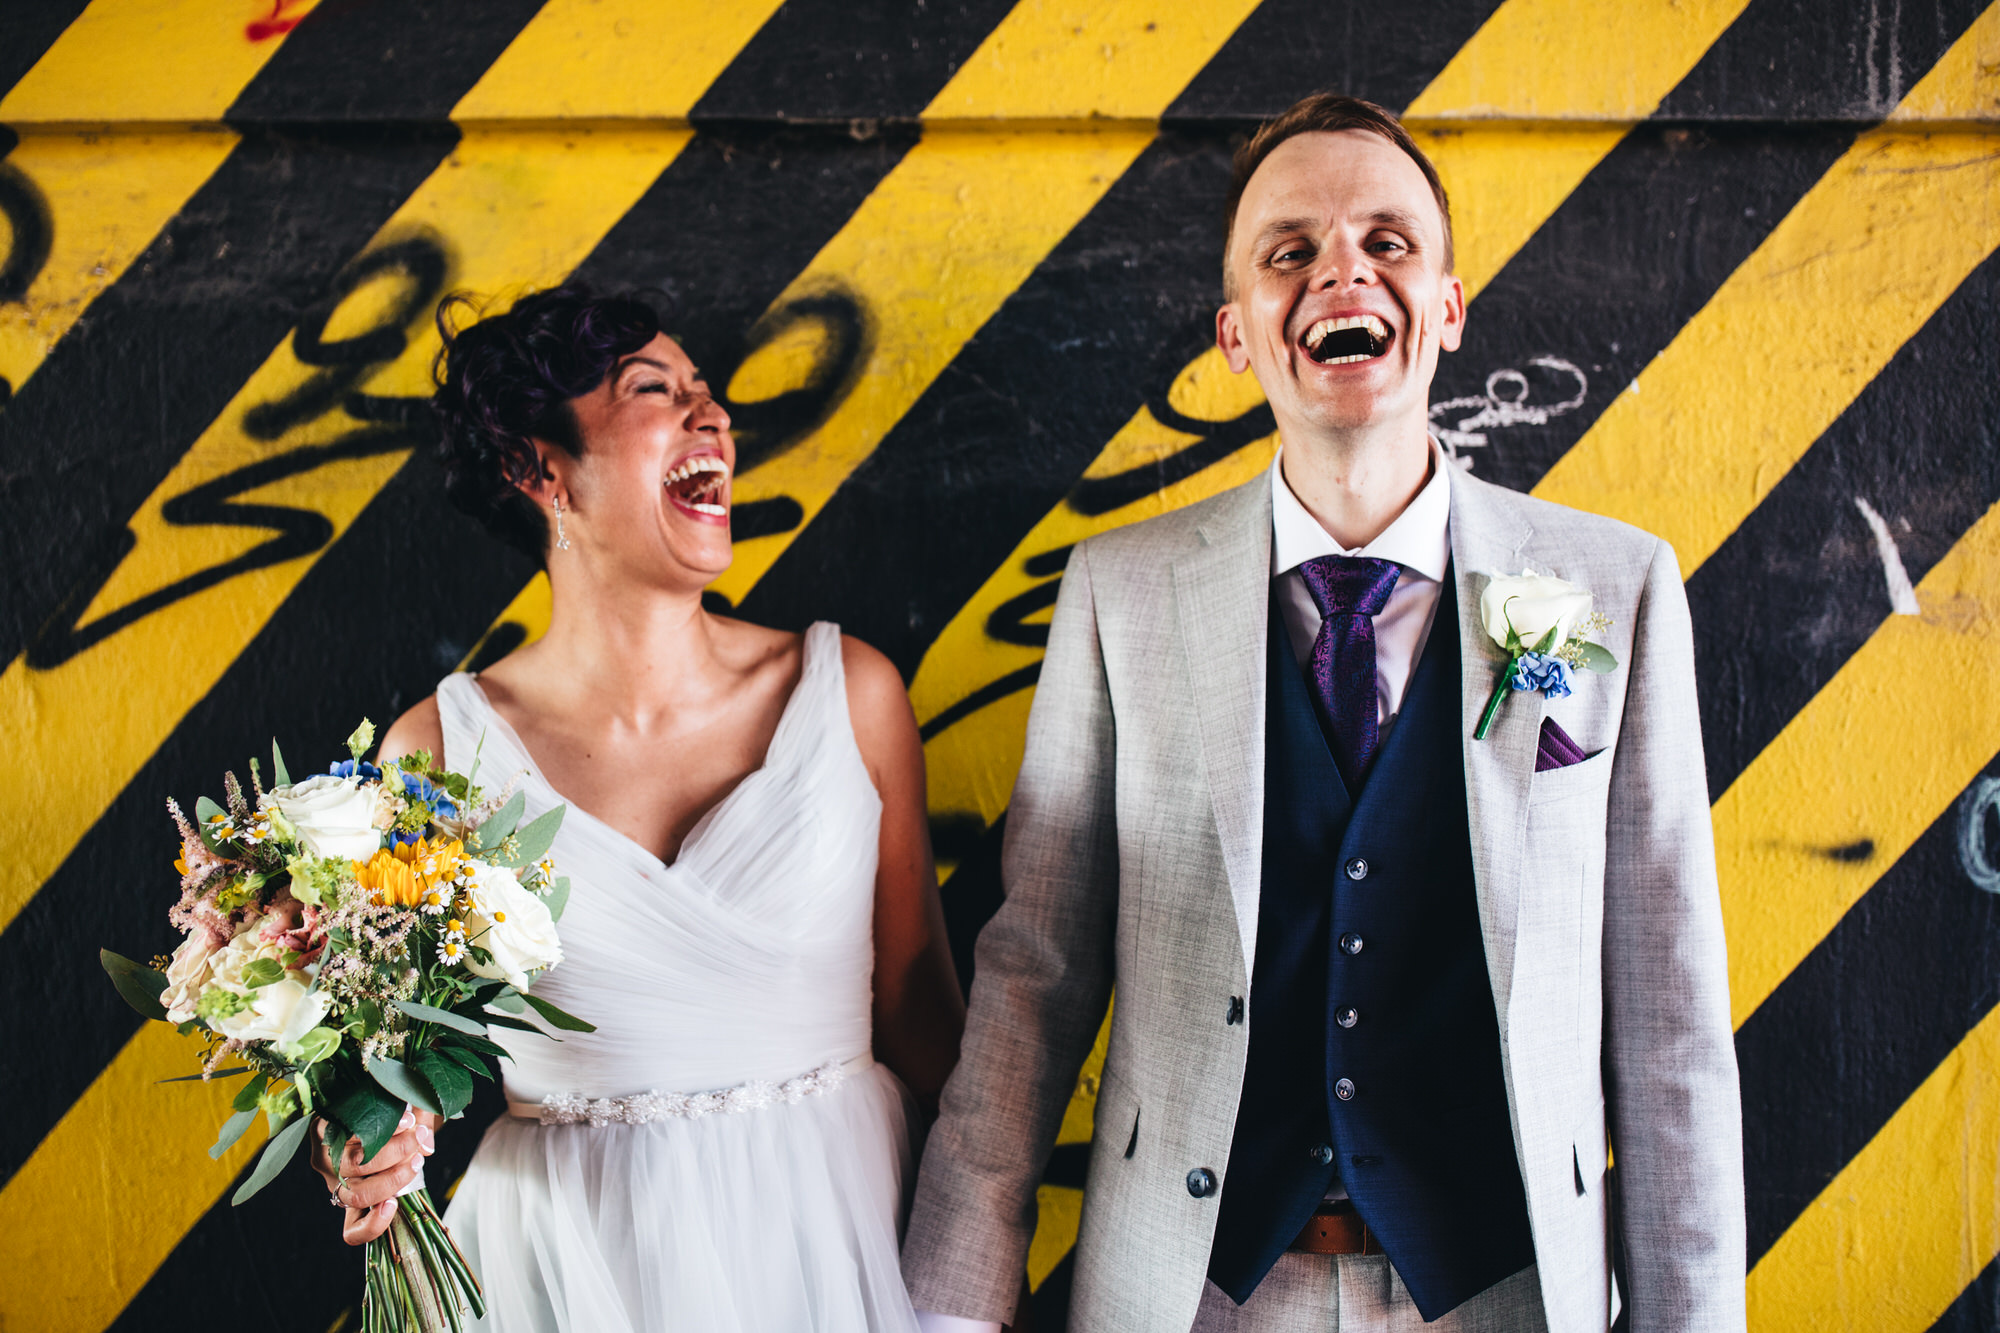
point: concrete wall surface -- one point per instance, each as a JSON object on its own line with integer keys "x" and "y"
{"x": 955, "y": 264}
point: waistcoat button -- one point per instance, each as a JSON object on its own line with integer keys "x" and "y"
{"x": 1235, "y": 1014}
{"x": 1350, "y": 943}
{"x": 1201, "y": 1182}
{"x": 1347, "y": 1016}
{"x": 1343, "y": 1090}
{"x": 1357, "y": 867}
{"x": 1322, "y": 1153}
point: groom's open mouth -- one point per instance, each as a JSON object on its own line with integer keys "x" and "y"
{"x": 700, "y": 485}
{"x": 1350, "y": 338}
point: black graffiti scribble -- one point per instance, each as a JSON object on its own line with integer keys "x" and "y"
{"x": 31, "y": 230}
{"x": 392, "y": 425}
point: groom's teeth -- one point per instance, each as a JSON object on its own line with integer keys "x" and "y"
{"x": 1366, "y": 336}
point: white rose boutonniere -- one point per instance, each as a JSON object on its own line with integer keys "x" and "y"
{"x": 1543, "y": 624}
{"x": 334, "y": 816}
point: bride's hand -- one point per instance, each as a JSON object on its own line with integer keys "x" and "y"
{"x": 367, "y": 1190}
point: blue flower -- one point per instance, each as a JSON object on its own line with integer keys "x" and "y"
{"x": 417, "y": 787}
{"x": 348, "y": 768}
{"x": 1544, "y": 672}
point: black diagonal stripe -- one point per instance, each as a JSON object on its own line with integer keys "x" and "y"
{"x": 1802, "y": 583}
{"x": 723, "y": 231}
{"x": 1289, "y": 48}
{"x": 838, "y": 61}
{"x": 1657, "y": 227}
{"x": 1977, "y": 1309}
{"x": 1869, "y": 1014}
{"x": 27, "y": 31}
{"x": 170, "y": 343}
{"x": 411, "y": 61}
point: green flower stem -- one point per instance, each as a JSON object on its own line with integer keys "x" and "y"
{"x": 417, "y": 1281}
{"x": 1499, "y": 693}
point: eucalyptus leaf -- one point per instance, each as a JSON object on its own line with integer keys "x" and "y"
{"x": 280, "y": 1150}
{"x": 1547, "y": 642}
{"x": 402, "y": 1081}
{"x": 278, "y": 774}
{"x": 1595, "y": 657}
{"x": 557, "y": 898}
{"x": 510, "y": 1000}
{"x": 198, "y": 1078}
{"x": 138, "y": 984}
{"x": 507, "y": 1021}
{"x": 566, "y": 1021}
{"x": 533, "y": 838}
{"x": 444, "y": 1018}
{"x": 500, "y": 823}
{"x": 452, "y": 1084}
{"x": 232, "y": 1130}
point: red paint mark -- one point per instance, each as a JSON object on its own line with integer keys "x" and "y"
{"x": 277, "y": 24}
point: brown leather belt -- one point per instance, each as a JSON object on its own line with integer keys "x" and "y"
{"x": 1335, "y": 1228}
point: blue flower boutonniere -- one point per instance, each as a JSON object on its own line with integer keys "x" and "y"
{"x": 1543, "y": 624}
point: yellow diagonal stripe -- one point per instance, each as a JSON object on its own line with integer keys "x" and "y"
{"x": 1909, "y": 1222}
{"x": 1563, "y": 60}
{"x": 1875, "y": 758}
{"x": 108, "y": 196}
{"x": 1797, "y": 332}
{"x": 589, "y": 60}
{"x": 137, "y": 61}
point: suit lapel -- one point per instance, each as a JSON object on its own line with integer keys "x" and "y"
{"x": 1489, "y": 535}
{"x": 1222, "y": 600}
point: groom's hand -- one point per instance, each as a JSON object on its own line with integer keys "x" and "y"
{"x": 367, "y": 1190}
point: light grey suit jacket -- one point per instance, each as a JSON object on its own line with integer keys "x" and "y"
{"x": 1132, "y": 859}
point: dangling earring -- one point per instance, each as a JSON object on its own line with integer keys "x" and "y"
{"x": 562, "y": 542}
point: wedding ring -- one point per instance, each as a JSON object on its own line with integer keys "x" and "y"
{"x": 340, "y": 1183}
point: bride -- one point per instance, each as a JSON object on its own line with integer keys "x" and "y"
{"x": 754, "y": 913}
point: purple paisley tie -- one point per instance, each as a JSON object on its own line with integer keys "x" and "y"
{"x": 1348, "y": 591}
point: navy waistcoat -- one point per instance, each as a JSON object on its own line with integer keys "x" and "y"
{"x": 1367, "y": 912}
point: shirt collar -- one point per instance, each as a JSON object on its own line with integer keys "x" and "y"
{"x": 1419, "y": 539}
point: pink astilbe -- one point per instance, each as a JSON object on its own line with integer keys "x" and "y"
{"x": 196, "y": 910}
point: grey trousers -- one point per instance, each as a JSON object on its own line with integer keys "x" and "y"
{"x": 1319, "y": 1293}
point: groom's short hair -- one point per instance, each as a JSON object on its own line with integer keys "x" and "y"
{"x": 1326, "y": 112}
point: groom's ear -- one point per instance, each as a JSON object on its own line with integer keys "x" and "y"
{"x": 1229, "y": 337}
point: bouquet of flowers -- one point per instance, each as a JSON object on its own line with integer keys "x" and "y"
{"x": 349, "y": 939}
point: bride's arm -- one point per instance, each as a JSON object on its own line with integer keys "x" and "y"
{"x": 919, "y": 1009}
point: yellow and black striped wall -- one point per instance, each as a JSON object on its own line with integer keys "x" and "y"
{"x": 955, "y": 262}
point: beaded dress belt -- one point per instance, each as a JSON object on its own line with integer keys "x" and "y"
{"x": 642, "y": 1108}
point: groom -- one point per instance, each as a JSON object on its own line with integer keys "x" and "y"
{"x": 1387, "y": 994}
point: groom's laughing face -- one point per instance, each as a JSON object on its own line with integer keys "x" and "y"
{"x": 1341, "y": 294}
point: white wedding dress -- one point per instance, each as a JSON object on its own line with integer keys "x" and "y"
{"x": 743, "y": 971}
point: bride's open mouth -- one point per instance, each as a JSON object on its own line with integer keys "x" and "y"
{"x": 1343, "y": 341}
{"x": 700, "y": 485}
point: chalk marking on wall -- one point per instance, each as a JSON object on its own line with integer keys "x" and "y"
{"x": 1976, "y": 856}
{"x": 1797, "y": 331}
{"x": 1902, "y": 597}
{"x": 1505, "y": 403}
{"x": 1929, "y": 682}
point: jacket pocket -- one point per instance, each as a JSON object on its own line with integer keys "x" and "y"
{"x": 1592, "y": 774}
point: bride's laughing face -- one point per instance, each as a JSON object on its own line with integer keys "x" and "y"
{"x": 650, "y": 495}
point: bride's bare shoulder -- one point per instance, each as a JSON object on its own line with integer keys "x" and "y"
{"x": 421, "y": 728}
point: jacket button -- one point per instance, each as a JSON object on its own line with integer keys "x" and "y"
{"x": 1357, "y": 867}
{"x": 1344, "y": 1089}
{"x": 1235, "y": 1014}
{"x": 1322, "y": 1153}
{"x": 1350, "y": 944}
{"x": 1347, "y": 1016}
{"x": 1201, "y": 1182}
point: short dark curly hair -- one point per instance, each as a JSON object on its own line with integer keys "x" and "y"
{"x": 508, "y": 379}
{"x": 1325, "y": 112}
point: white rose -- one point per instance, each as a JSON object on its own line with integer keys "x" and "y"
{"x": 187, "y": 977}
{"x": 334, "y": 816}
{"x": 1531, "y": 604}
{"x": 227, "y": 963}
{"x": 510, "y": 923}
{"x": 281, "y": 1012}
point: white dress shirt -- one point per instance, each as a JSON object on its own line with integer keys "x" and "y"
{"x": 1419, "y": 540}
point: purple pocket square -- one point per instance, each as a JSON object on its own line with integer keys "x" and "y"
{"x": 1556, "y": 749}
